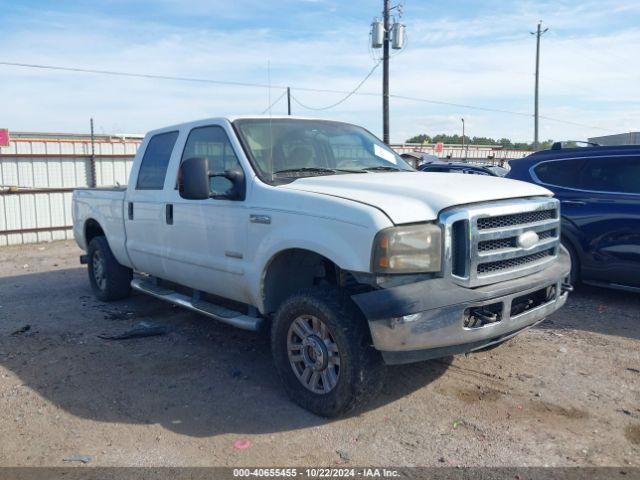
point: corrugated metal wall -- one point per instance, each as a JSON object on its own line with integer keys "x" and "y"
{"x": 37, "y": 176}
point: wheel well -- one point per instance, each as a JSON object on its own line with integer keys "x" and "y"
{"x": 292, "y": 270}
{"x": 92, "y": 229}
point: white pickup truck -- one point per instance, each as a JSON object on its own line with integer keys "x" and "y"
{"x": 320, "y": 232}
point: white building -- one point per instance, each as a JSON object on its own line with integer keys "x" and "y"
{"x": 631, "y": 138}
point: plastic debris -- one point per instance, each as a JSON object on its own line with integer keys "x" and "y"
{"x": 78, "y": 458}
{"x": 241, "y": 444}
{"x": 456, "y": 423}
{"x": 344, "y": 455}
{"x": 22, "y": 329}
{"x": 141, "y": 330}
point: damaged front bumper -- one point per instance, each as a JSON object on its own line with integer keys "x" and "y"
{"x": 436, "y": 318}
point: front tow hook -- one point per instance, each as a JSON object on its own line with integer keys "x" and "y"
{"x": 566, "y": 288}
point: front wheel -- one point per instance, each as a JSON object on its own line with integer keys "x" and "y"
{"x": 574, "y": 275}
{"x": 322, "y": 350}
{"x": 109, "y": 280}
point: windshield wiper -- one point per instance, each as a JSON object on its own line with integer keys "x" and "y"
{"x": 382, "y": 168}
{"x": 318, "y": 170}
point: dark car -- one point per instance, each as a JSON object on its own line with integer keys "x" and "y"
{"x": 599, "y": 191}
{"x": 462, "y": 167}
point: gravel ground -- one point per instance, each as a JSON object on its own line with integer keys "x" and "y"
{"x": 566, "y": 393}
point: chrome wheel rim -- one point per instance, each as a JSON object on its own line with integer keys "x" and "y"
{"x": 98, "y": 270}
{"x": 313, "y": 354}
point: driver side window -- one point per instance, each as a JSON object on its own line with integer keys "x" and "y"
{"x": 212, "y": 143}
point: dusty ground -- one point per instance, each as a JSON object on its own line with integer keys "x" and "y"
{"x": 565, "y": 393}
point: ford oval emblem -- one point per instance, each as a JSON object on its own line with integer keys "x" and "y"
{"x": 527, "y": 240}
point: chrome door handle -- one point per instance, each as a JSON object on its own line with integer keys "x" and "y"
{"x": 266, "y": 219}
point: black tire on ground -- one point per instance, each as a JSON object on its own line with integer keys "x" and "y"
{"x": 361, "y": 369}
{"x": 113, "y": 282}
{"x": 574, "y": 276}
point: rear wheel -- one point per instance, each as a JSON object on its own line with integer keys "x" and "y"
{"x": 322, "y": 350}
{"x": 109, "y": 280}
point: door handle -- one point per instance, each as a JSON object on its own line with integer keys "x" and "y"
{"x": 168, "y": 213}
{"x": 577, "y": 203}
{"x": 130, "y": 210}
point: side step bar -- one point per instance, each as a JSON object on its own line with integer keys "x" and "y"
{"x": 211, "y": 310}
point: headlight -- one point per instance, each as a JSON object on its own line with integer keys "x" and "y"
{"x": 410, "y": 249}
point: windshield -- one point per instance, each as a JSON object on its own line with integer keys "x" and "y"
{"x": 293, "y": 148}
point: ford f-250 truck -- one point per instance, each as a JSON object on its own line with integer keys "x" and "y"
{"x": 320, "y": 232}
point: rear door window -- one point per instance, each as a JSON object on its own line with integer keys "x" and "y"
{"x": 561, "y": 173}
{"x": 612, "y": 174}
{"x": 153, "y": 167}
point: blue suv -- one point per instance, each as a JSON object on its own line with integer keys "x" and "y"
{"x": 599, "y": 191}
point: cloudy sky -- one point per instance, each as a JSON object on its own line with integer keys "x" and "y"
{"x": 477, "y": 53}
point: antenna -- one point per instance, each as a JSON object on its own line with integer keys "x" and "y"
{"x": 270, "y": 127}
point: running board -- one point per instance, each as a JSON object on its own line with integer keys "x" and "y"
{"x": 211, "y": 310}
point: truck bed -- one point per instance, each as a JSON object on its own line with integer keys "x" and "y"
{"x": 105, "y": 206}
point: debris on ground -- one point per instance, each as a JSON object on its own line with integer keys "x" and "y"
{"x": 78, "y": 458}
{"x": 23, "y": 329}
{"x": 344, "y": 455}
{"x": 140, "y": 330}
{"x": 241, "y": 444}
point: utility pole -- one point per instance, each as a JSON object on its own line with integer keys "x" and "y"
{"x": 462, "y": 152}
{"x": 538, "y": 34}
{"x": 288, "y": 101}
{"x": 92, "y": 161}
{"x": 385, "y": 35}
{"x": 385, "y": 74}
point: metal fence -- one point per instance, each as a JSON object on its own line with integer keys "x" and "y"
{"x": 469, "y": 153}
{"x": 38, "y": 173}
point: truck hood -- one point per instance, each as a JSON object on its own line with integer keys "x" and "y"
{"x": 409, "y": 197}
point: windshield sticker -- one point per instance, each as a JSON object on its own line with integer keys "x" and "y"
{"x": 385, "y": 154}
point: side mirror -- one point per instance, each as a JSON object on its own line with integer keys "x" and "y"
{"x": 194, "y": 179}
{"x": 236, "y": 177}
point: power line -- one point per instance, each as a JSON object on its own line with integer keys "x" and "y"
{"x": 302, "y": 89}
{"x": 576, "y": 124}
{"x": 459, "y": 105}
{"x": 273, "y": 103}
{"x": 137, "y": 75}
{"x": 345, "y": 98}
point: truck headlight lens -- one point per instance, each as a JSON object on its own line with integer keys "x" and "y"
{"x": 409, "y": 249}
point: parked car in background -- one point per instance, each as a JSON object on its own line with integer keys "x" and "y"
{"x": 464, "y": 167}
{"x": 599, "y": 191}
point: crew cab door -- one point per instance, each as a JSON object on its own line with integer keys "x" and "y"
{"x": 205, "y": 240}
{"x": 144, "y": 206}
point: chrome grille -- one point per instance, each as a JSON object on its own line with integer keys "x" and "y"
{"x": 481, "y": 241}
{"x": 510, "y": 242}
{"x": 515, "y": 219}
{"x": 512, "y": 262}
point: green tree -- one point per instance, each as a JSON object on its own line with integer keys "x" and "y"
{"x": 505, "y": 143}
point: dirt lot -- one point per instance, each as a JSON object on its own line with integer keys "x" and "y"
{"x": 564, "y": 393}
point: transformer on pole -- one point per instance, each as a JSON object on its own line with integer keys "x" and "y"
{"x": 384, "y": 35}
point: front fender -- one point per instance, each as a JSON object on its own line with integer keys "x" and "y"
{"x": 346, "y": 245}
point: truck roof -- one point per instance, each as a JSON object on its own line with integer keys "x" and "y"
{"x": 230, "y": 118}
